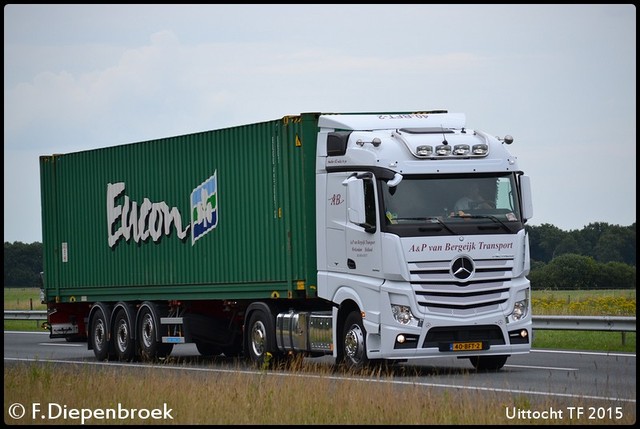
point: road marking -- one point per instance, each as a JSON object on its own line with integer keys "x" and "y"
{"x": 542, "y": 367}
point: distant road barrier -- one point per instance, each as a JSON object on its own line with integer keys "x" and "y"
{"x": 557, "y": 323}
{"x": 585, "y": 323}
{"x": 25, "y": 315}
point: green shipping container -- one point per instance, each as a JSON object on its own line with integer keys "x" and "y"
{"x": 223, "y": 214}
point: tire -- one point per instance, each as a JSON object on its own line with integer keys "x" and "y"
{"x": 148, "y": 345}
{"x": 98, "y": 337}
{"x": 261, "y": 339}
{"x": 488, "y": 363}
{"x": 353, "y": 344}
{"x": 124, "y": 345}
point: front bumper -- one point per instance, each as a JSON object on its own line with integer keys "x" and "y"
{"x": 439, "y": 338}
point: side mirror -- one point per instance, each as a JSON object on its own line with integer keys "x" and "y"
{"x": 355, "y": 200}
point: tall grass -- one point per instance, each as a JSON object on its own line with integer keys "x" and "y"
{"x": 268, "y": 398}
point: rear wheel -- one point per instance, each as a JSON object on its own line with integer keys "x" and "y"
{"x": 150, "y": 347}
{"x": 123, "y": 339}
{"x": 98, "y": 337}
{"x": 488, "y": 363}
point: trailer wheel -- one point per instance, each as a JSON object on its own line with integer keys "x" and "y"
{"x": 261, "y": 339}
{"x": 123, "y": 339}
{"x": 488, "y": 363}
{"x": 150, "y": 347}
{"x": 98, "y": 336}
{"x": 353, "y": 342}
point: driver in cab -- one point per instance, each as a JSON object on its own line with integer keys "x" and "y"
{"x": 470, "y": 201}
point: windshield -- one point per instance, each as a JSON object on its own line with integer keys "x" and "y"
{"x": 451, "y": 200}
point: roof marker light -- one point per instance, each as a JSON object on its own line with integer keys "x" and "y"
{"x": 461, "y": 149}
{"x": 424, "y": 150}
{"x": 480, "y": 149}
{"x": 443, "y": 150}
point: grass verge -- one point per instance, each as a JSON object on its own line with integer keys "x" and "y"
{"x": 267, "y": 398}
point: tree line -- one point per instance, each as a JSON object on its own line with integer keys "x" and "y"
{"x": 598, "y": 256}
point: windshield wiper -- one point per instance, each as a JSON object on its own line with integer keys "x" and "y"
{"x": 436, "y": 220}
{"x": 493, "y": 218}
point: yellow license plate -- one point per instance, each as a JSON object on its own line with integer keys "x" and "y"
{"x": 463, "y": 347}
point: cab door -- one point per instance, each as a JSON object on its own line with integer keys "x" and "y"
{"x": 362, "y": 232}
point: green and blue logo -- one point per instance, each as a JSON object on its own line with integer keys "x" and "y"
{"x": 204, "y": 208}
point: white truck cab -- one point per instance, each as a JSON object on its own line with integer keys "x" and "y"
{"x": 430, "y": 280}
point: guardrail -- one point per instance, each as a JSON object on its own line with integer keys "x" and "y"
{"x": 585, "y": 323}
{"x": 558, "y": 323}
{"x": 25, "y": 315}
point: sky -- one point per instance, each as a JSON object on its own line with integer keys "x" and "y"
{"x": 560, "y": 79}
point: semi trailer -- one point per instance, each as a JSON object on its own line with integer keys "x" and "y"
{"x": 316, "y": 234}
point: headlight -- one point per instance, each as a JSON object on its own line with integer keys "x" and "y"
{"x": 520, "y": 309}
{"x": 402, "y": 314}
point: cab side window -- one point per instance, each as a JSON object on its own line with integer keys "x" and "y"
{"x": 370, "y": 203}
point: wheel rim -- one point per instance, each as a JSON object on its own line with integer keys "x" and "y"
{"x": 354, "y": 344}
{"x": 258, "y": 338}
{"x": 147, "y": 331}
{"x": 122, "y": 335}
{"x": 98, "y": 334}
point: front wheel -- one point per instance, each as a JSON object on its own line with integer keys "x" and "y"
{"x": 261, "y": 339}
{"x": 488, "y": 363}
{"x": 353, "y": 342}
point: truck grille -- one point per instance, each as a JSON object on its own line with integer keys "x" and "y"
{"x": 438, "y": 291}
